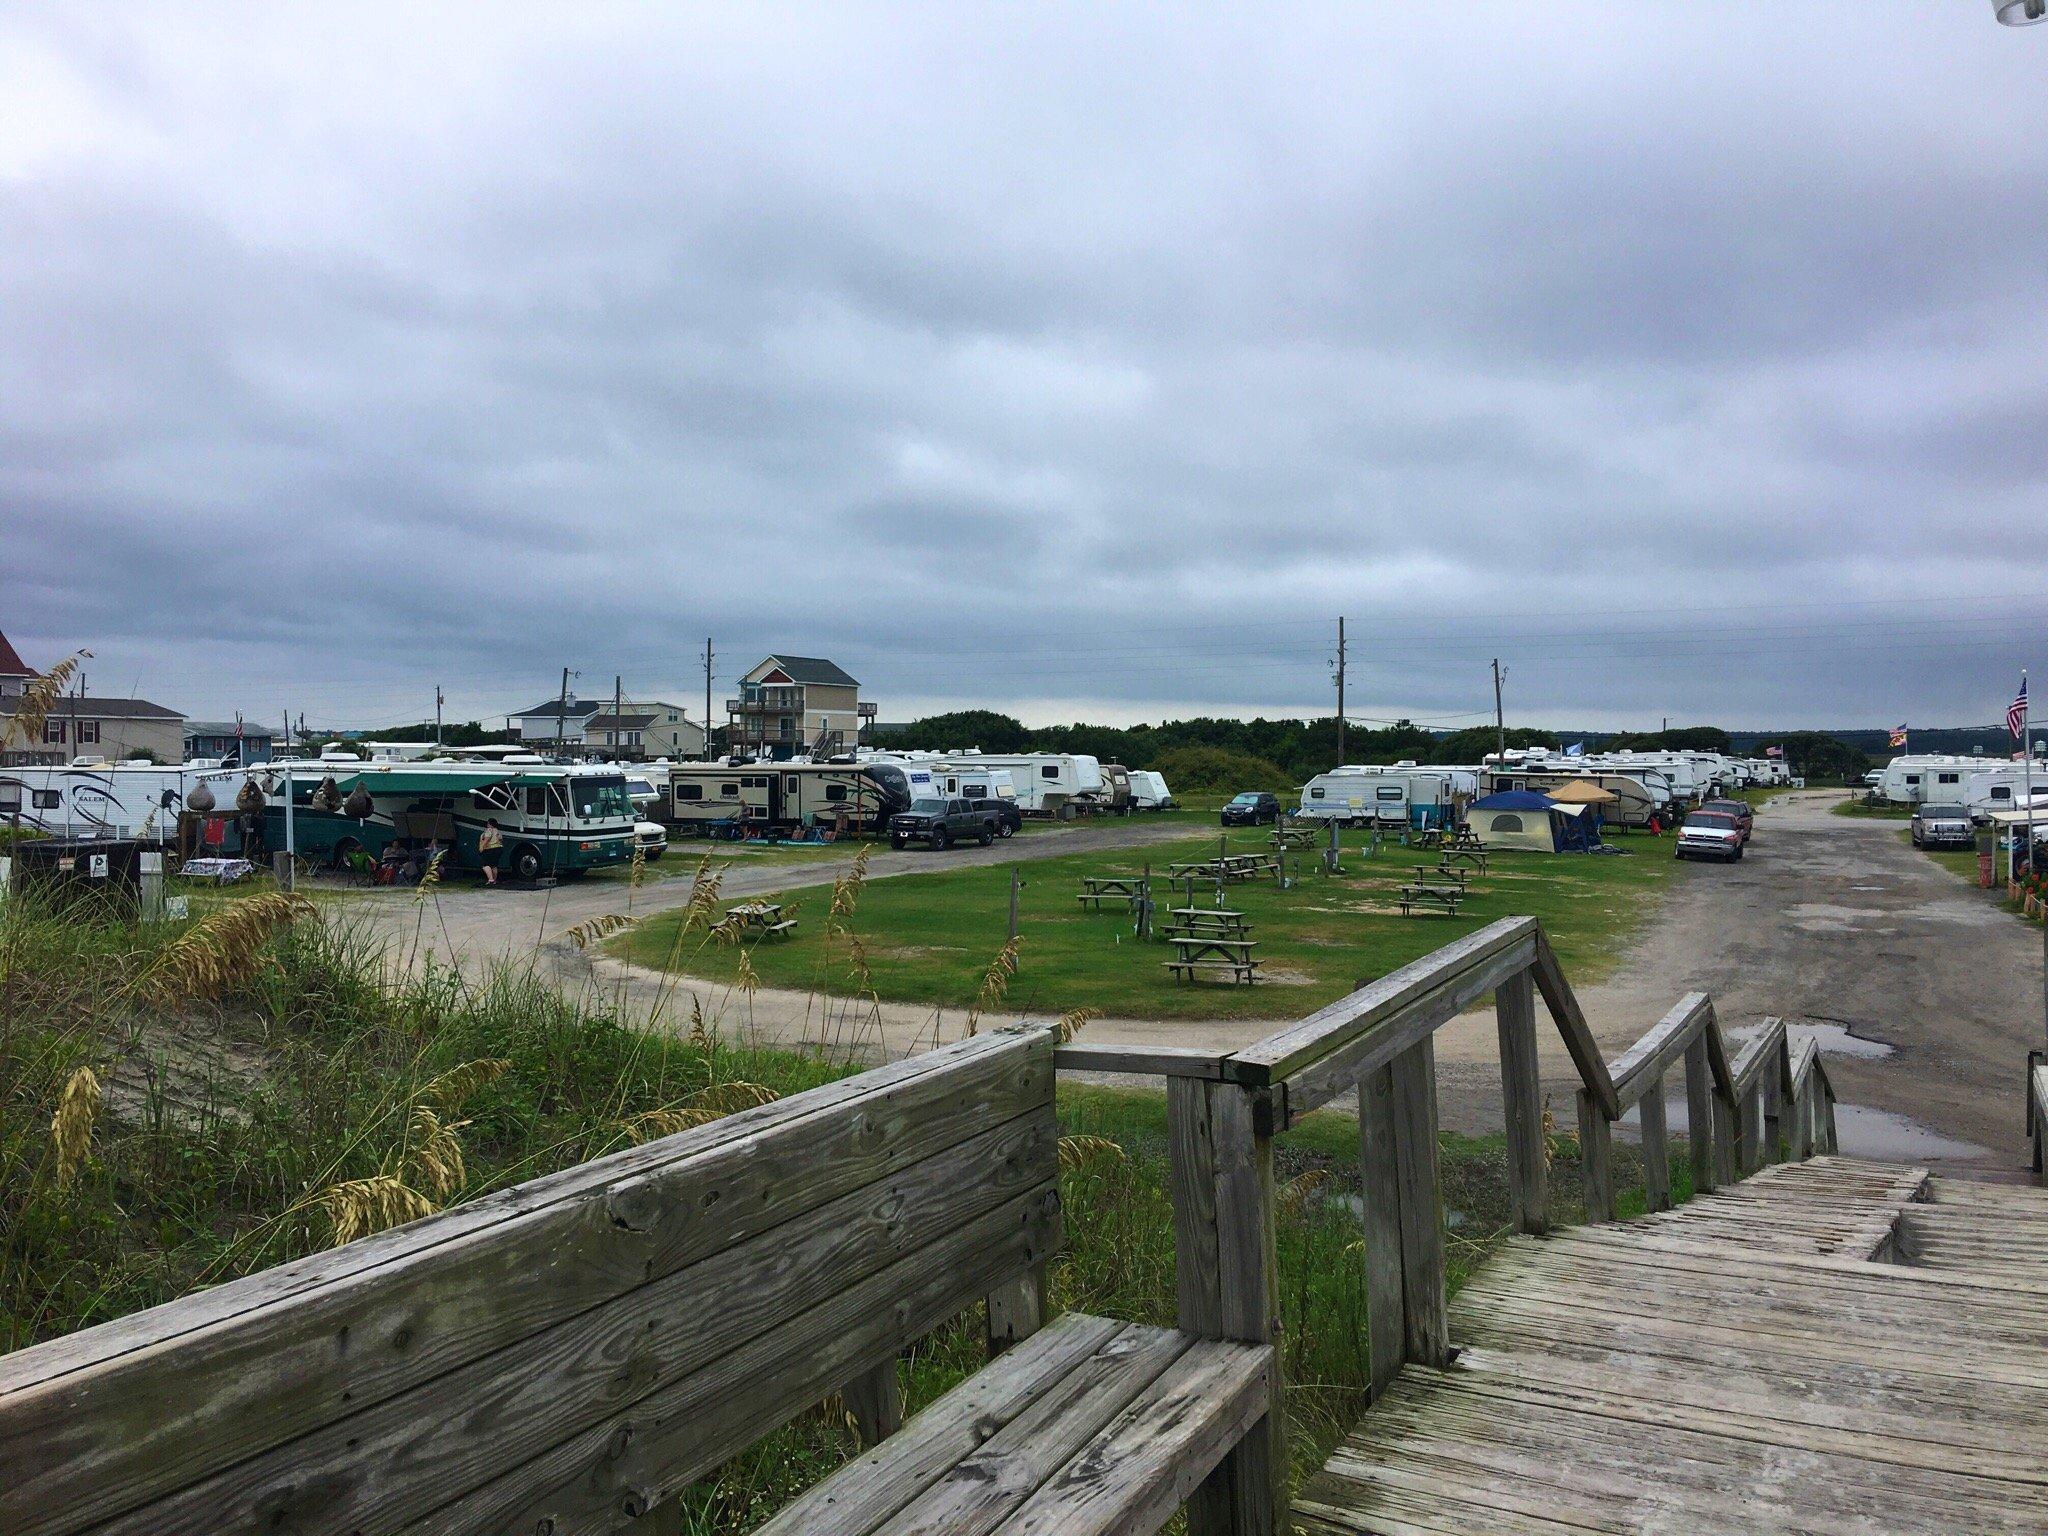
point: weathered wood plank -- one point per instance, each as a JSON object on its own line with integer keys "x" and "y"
{"x": 1282, "y": 1055}
{"x": 620, "y": 1467}
{"x": 1596, "y": 1158}
{"x": 1386, "y": 1307}
{"x": 1140, "y": 1060}
{"x": 1514, "y": 1005}
{"x": 1699, "y": 1115}
{"x": 1564, "y": 1008}
{"x": 1426, "y": 1336}
{"x": 1191, "y": 1176}
{"x": 1015, "y": 1309}
{"x": 868, "y": 1490}
{"x": 1342, "y": 1069}
{"x": 1656, "y": 1150}
{"x": 1246, "y": 1494}
{"x": 1644, "y": 1064}
{"x": 401, "y": 1457}
{"x": 330, "y": 1335}
{"x": 874, "y": 1401}
{"x": 1152, "y": 1457}
{"x": 981, "y": 1491}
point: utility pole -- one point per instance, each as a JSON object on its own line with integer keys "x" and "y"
{"x": 1340, "y": 690}
{"x": 562, "y": 715}
{"x": 288, "y": 876}
{"x": 618, "y": 726}
{"x": 707, "y": 698}
{"x": 437, "y": 714}
{"x": 1500, "y": 719}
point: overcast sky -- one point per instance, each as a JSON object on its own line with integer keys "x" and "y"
{"x": 1081, "y": 362}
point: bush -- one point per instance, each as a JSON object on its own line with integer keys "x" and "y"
{"x": 1215, "y": 770}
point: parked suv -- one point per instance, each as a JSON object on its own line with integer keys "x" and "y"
{"x": 1745, "y": 816}
{"x": 1942, "y": 825}
{"x": 1250, "y": 809}
{"x": 1709, "y": 835}
{"x": 1009, "y": 820}
{"x": 940, "y": 822}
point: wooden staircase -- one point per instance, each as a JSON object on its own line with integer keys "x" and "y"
{"x": 1833, "y": 1346}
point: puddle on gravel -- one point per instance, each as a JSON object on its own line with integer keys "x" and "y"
{"x": 1833, "y": 1037}
{"x": 1861, "y": 1130}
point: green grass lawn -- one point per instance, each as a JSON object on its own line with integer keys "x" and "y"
{"x": 930, "y": 938}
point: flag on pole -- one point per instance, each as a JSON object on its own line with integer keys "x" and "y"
{"x": 1899, "y": 735}
{"x": 1774, "y": 751}
{"x": 1576, "y": 749}
{"x": 2016, "y": 717}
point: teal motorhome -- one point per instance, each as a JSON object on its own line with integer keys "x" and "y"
{"x": 558, "y": 821}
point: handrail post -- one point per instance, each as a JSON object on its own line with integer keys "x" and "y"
{"x": 1227, "y": 1279}
{"x": 1725, "y": 1171}
{"x": 1699, "y": 1115}
{"x": 1749, "y": 1116}
{"x": 1514, "y": 1007}
{"x": 1656, "y": 1149}
{"x": 1596, "y": 1158}
{"x": 1404, "y": 1246}
{"x": 1799, "y": 1131}
{"x": 1771, "y": 1080}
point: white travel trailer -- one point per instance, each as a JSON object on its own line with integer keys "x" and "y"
{"x": 1927, "y": 776}
{"x": 1404, "y": 794}
{"x": 2003, "y": 787}
{"x": 96, "y": 800}
{"x": 974, "y": 784}
{"x": 1062, "y": 784}
{"x": 1149, "y": 791}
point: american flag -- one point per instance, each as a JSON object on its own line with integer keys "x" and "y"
{"x": 2016, "y": 717}
{"x": 1899, "y": 735}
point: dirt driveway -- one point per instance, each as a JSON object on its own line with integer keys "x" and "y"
{"x": 1925, "y": 995}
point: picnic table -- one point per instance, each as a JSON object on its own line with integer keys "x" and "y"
{"x": 1441, "y": 898}
{"x": 764, "y": 917}
{"x": 1128, "y": 889}
{"x": 1296, "y": 837}
{"x": 1464, "y": 853}
{"x": 1208, "y": 952}
{"x": 1430, "y": 837}
{"x": 1446, "y": 871}
{"x": 1204, "y": 921}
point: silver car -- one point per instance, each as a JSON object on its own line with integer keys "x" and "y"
{"x": 1943, "y": 826}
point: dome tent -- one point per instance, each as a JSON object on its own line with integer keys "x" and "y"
{"x": 1521, "y": 818}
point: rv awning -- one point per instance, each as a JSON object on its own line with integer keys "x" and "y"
{"x": 415, "y": 782}
{"x": 1581, "y": 792}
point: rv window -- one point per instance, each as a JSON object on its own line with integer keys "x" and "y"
{"x": 1945, "y": 778}
{"x": 1912, "y": 778}
{"x": 789, "y": 783}
{"x": 1315, "y": 794}
{"x": 835, "y": 791}
{"x": 47, "y": 799}
{"x": 2000, "y": 792}
{"x": 1049, "y": 771}
{"x": 974, "y": 792}
{"x": 728, "y": 788}
{"x": 10, "y": 802}
{"x": 1391, "y": 794}
{"x": 689, "y": 791}
{"x": 537, "y": 800}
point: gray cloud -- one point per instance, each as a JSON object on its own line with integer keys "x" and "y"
{"x": 1083, "y": 361}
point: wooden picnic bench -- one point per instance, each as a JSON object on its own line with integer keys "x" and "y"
{"x": 1450, "y": 872}
{"x": 1473, "y": 854}
{"x": 1296, "y": 837}
{"x": 1218, "y": 920}
{"x": 1211, "y": 952}
{"x": 763, "y": 917}
{"x": 569, "y": 1354}
{"x": 1126, "y": 889}
{"x": 1443, "y": 898}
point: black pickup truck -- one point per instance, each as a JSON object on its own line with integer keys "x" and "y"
{"x": 940, "y": 822}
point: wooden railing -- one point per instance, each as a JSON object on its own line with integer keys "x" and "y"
{"x": 1223, "y": 1110}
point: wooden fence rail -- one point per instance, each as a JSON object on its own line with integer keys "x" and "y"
{"x": 1225, "y": 1108}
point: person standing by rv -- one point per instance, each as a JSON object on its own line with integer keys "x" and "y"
{"x": 490, "y": 848}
